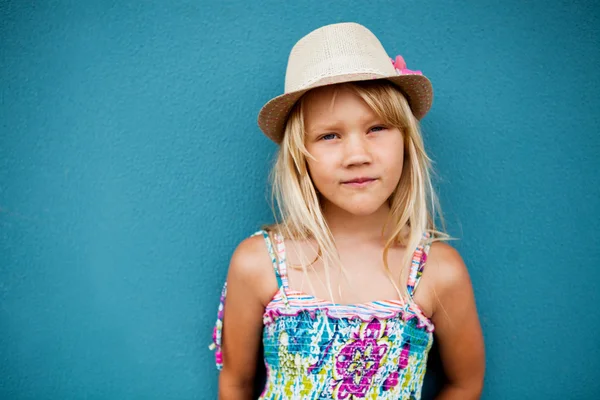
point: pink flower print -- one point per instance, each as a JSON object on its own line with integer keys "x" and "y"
{"x": 400, "y": 67}
{"x": 359, "y": 360}
{"x": 404, "y": 355}
{"x": 392, "y": 379}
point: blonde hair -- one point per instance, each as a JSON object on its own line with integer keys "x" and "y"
{"x": 413, "y": 204}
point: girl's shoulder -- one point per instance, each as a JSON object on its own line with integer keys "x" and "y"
{"x": 445, "y": 269}
{"x": 250, "y": 257}
{"x": 251, "y": 263}
{"x": 251, "y": 250}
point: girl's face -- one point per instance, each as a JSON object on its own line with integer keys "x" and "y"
{"x": 357, "y": 157}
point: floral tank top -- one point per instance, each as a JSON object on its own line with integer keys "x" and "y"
{"x": 316, "y": 349}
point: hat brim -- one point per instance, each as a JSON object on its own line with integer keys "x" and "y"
{"x": 273, "y": 116}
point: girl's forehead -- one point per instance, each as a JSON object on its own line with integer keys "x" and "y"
{"x": 334, "y": 103}
{"x": 327, "y": 95}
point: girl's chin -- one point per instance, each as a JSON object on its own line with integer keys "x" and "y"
{"x": 361, "y": 210}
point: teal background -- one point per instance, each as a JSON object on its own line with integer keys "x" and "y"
{"x": 131, "y": 165}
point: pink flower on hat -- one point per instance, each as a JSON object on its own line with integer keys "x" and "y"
{"x": 400, "y": 66}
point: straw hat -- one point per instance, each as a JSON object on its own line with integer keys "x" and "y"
{"x": 337, "y": 53}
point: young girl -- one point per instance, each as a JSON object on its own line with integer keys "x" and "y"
{"x": 346, "y": 291}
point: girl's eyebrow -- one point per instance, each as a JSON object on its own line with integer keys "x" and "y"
{"x": 324, "y": 127}
{"x": 320, "y": 129}
{"x": 365, "y": 118}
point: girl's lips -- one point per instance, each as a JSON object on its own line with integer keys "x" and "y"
{"x": 360, "y": 182}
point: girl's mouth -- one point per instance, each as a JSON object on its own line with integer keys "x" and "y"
{"x": 359, "y": 182}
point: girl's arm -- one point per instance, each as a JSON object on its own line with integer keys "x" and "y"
{"x": 250, "y": 284}
{"x": 457, "y": 325}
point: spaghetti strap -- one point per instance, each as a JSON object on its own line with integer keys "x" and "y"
{"x": 278, "y": 266}
{"x": 418, "y": 264}
{"x": 277, "y": 254}
{"x": 217, "y": 339}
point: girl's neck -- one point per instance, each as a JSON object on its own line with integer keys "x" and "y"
{"x": 344, "y": 225}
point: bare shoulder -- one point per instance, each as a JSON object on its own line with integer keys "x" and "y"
{"x": 447, "y": 268}
{"x": 250, "y": 256}
{"x": 251, "y": 264}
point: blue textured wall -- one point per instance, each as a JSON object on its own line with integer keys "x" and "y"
{"x": 131, "y": 165}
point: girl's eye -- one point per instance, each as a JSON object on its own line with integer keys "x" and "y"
{"x": 329, "y": 136}
{"x": 377, "y": 128}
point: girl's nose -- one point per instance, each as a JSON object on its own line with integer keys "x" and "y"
{"x": 356, "y": 151}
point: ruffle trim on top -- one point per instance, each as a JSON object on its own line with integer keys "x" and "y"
{"x": 300, "y": 302}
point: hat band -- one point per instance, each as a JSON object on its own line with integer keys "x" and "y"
{"x": 331, "y": 80}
